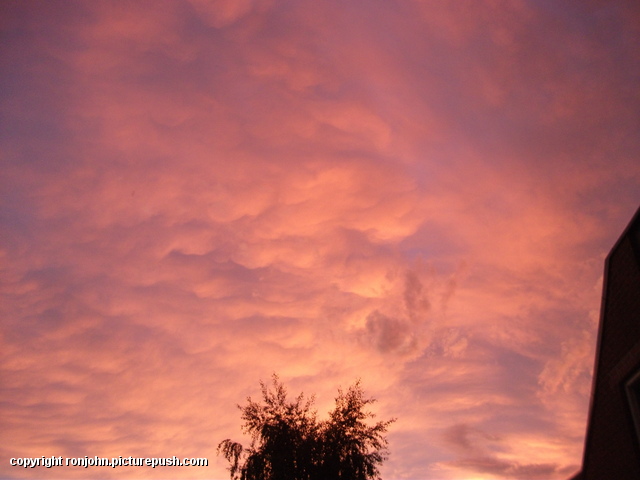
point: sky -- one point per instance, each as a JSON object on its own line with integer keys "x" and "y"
{"x": 197, "y": 194}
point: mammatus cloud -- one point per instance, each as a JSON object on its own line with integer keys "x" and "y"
{"x": 198, "y": 194}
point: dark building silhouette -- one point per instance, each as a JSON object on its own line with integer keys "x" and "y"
{"x": 612, "y": 444}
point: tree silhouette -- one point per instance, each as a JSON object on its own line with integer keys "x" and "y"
{"x": 288, "y": 442}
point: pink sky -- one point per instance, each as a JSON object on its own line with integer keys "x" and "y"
{"x": 420, "y": 194}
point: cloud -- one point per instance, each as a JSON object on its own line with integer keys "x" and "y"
{"x": 197, "y": 194}
{"x": 389, "y": 333}
{"x": 221, "y": 14}
{"x": 481, "y": 452}
{"x": 411, "y": 326}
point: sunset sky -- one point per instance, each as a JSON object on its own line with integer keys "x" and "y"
{"x": 196, "y": 194}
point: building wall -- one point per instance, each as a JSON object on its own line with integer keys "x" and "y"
{"x": 612, "y": 446}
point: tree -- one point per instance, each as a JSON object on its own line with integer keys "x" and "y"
{"x": 288, "y": 442}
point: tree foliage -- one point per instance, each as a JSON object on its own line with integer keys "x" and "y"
{"x": 289, "y": 443}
